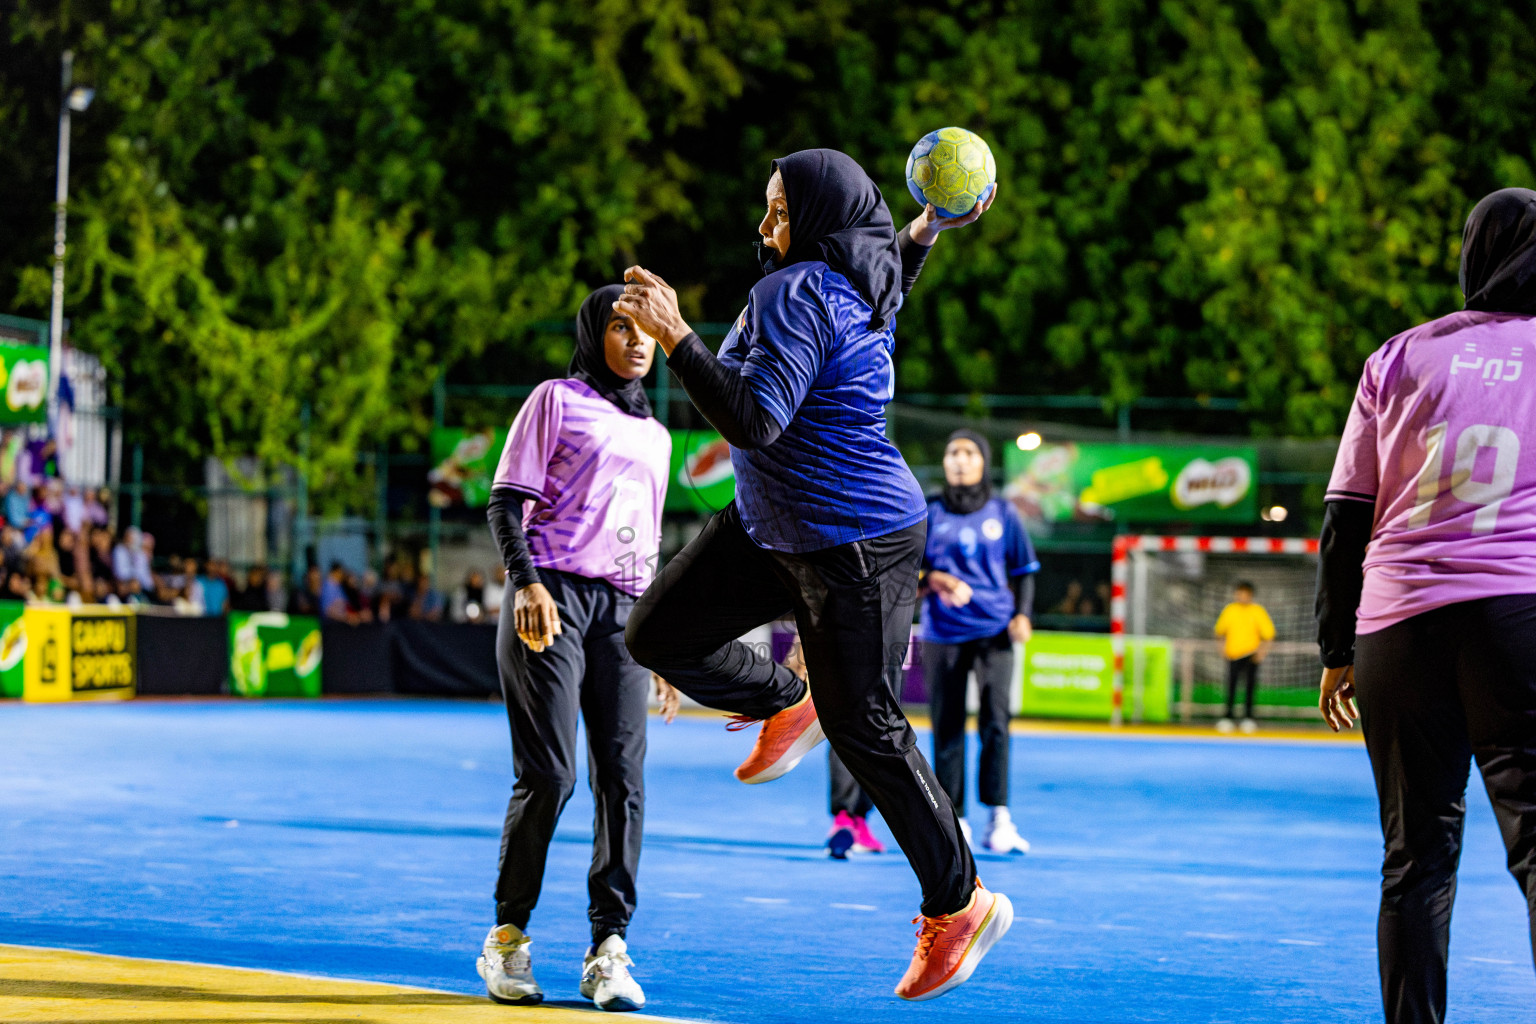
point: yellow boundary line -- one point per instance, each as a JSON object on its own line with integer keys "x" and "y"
{"x": 57, "y": 985}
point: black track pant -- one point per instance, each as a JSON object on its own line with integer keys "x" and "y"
{"x": 853, "y": 604}
{"x": 1436, "y": 691}
{"x": 586, "y": 669}
{"x": 945, "y": 669}
{"x": 1239, "y": 669}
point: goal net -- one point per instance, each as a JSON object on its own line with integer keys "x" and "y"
{"x": 1175, "y": 587}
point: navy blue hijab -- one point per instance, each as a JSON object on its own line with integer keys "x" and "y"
{"x": 838, "y": 216}
{"x": 589, "y": 363}
{"x": 1498, "y": 253}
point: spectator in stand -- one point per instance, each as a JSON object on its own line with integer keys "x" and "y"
{"x": 305, "y": 599}
{"x": 104, "y": 593}
{"x": 393, "y": 600}
{"x": 74, "y": 510}
{"x": 190, "y": 598}
{"x": 73, "y": 567}
{"x": 98, "y": 507}
{"x": 495, "y": 591}
{"x": 42, "y": 556}
{"x": 144, "y": 562}
{"x": 428, "y": 602}
{"x": 18, "y": 508}
{"x": 51, "y": 498}
{"x": 215, "y": 584}
{"x": 469, "y": 599}
{"x": 123, "y": 554}
{"x": 333, "y": 594}
{"x": 18, "y": 587}
{"x": 252, "y": 597}
{"x": 101, "y": 554}
{"x": 1073, "y": 599}
{"x": 129, "y": 592}
{"x": 13, "y": 549}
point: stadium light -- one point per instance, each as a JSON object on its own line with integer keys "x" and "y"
{"x": 1274, "y": 514}
{"x": 80, "y": 98}
{"x": 1029, "y": 442}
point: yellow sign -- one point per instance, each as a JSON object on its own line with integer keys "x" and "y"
{"x": 78, "y": 654}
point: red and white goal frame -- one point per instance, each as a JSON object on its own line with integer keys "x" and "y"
{"x": 1119, "y": 569}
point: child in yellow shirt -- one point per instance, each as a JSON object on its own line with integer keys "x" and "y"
{"x": 1247, "y": 632}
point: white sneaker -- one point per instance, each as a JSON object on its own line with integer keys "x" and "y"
{"x": 1003, "y": 836}
{"x": 507, "y": 967}
{"x": 605, "y": 977}
{"x": 1248, "y": 726}
{"x": 965, "y": 830}
{"x": 1225, "y": 725}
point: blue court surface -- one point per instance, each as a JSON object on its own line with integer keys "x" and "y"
{"x": 1172, "y": 879}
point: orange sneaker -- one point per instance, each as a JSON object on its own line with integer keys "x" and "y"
{"x": 783, "y": 741}
{"x": 950, "y": 947}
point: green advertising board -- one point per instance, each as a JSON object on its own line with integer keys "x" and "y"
{"x": 274, "y": 655}
{"x": 1134, "y": 483}
{"x": 23, "y": 383}
{"x": 1072, "y": 675}
{"x": 463, "y": 465}
{"x": 13, "y": 647}
{"x": 702, "y": 478}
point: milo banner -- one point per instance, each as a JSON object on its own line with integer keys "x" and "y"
{"x": 13, "y": 647}
{"x": 463, "y": 465}
{"x": 1072, "y": 675}
{"x": 23, "y": 383}
{"x": 274, "y": 655}
{"x": 74, "y": 654}
{"x": 702, "y": 478}
{"x": 1137, "y": 483}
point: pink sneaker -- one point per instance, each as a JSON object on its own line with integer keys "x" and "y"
{"x": 843, "y": 835}
{"x": 864, "y": 840}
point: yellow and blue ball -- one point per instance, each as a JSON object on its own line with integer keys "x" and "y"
{"x": 953, "y": 169}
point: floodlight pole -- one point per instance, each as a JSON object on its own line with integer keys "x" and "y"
{"x": 61, "y": 198}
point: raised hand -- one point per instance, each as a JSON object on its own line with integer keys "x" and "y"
{"x": 926, "y": 226}
{"x": 652, "y": 304}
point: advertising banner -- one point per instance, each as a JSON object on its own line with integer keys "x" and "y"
{"x": 463, "y": 465}
{"x": 79, "y": 655}
{"x": 23, "y": 383}
{"x": 274, "y": 655}
{"x": 1136, "y": 483}
{"x": 1071, "y": 675}
{"x": 13, "y": 647}
{"x": 702, "y": 478}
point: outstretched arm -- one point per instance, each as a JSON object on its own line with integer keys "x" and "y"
{"x": 918, "y": 237}
{"x": 720, "y": 393}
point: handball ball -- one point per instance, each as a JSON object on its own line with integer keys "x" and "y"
{"x": 951, "y": 168}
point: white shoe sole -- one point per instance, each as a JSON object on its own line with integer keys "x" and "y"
{"x": 808, "y": 741}
{"x": 993, "y": 928}
{"x": 521, "y": 999}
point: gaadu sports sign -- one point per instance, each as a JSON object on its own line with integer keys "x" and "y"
{"x": 1134, "y": 483}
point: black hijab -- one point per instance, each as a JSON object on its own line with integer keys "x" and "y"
{"x": 589, "y": 364}
{"x": 964, "y": 499}
{"x": 1498, "y": 253}
{"x": 837, "y": 215}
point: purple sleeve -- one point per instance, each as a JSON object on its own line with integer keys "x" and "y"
{"x": 1355, "y": 471}
{"x": 531, "y": 443}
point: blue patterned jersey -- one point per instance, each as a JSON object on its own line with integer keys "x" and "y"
{"x": 985, "y": 548}
{"x": 804, "y": 346}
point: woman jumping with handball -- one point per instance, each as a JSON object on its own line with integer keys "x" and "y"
{"x": 828, "y": 522}
{"x": 591, "y": 464}
{"x": 1426, "y": 601}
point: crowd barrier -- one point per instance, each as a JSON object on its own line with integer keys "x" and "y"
{"x": 52, "y": 653}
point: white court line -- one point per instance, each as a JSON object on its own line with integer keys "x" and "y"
{"x": 1490, "y": 960}
{"x": 1297, "y": 942}
{"x": 684, "y": 895}
{"x": 1211, "y": 935}
{"x": 764, "y": 899}
{"x": 854, "y": 906}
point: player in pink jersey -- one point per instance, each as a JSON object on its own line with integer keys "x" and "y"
{"x": 1426, "y": 599}
{"x": 590, "y": 465}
